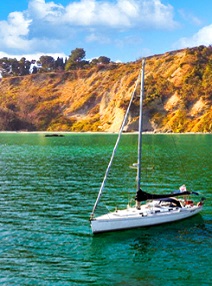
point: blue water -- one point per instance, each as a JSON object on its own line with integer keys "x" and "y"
{"x": 47, "y": 190}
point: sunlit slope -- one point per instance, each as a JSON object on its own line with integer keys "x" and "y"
{"x": 178, "y": 94}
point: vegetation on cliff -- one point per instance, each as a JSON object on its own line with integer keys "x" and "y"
{"x": 178, "y": 96}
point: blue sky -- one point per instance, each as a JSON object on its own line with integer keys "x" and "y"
{"x": 123, "y": 30}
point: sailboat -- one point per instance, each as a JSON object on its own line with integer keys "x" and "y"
{"x": 149, "y": 209}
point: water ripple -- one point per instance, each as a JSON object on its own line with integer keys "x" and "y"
{"x": 48, "y": 188}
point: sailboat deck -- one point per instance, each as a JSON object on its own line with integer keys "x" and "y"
{"x": 134, "y": 212}
{"x": 147, "y": 210}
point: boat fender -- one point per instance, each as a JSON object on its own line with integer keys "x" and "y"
{"x": 199, "y": 204}
{"x": 189, "y": 203}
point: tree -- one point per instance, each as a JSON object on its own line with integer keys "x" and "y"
{"x": 14, "y": 66}
{"x": 59, "y": 64}
{"x": 47, "y": 62}
{"x": 77, "y": 55}
{"x": 24, "y": 66}
{"x": 75, "y": 59}
{"x": 94, "y": 62}
{"x": 103, "y": 60}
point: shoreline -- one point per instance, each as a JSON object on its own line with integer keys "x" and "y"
{"x": 102, "y": 132}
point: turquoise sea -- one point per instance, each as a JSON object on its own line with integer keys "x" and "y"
{"x": 47, "y": 190}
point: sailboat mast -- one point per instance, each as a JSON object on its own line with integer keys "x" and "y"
{"x": 140, "y": 128}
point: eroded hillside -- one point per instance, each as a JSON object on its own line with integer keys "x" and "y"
{"x": 178, "y": 96}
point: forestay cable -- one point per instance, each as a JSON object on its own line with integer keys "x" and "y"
{"x": 114, "y": 149}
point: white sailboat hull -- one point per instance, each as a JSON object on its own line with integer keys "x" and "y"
{"x": 133, "y": 218}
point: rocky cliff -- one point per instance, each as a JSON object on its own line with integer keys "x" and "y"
{"x": 178, "y": 95}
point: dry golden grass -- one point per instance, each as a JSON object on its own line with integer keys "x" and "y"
{"x": 177, "y": 95}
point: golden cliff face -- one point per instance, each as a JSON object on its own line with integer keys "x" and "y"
{"x": 178, "y": 96}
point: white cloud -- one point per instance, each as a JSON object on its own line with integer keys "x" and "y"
{"x": 49, "y": 26}
{"x": 129, "y": 8}
{"x": 122, "y": 13}
{"x": 50, "y": 11}
{"x": 19, "y": 25}
{"x": 202, "y": 37}
{"x": 93, "y": 37}
{"x": 91, "y": 13}
{"x": 33, "y": 56}
{"x": 14, "y": 31}
{"x": 155, "y": 14}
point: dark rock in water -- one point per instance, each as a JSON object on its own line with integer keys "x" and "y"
{"x": 54, "y": 135}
